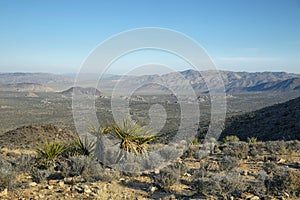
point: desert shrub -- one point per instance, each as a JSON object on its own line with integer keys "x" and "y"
{"x": 39, "y": 175}
{"x": 49, "y": 154}
{"x": 294, "y": 186}
{"x": 269, "y": 167}
{"x": 167, "y": 177}
{"x": 276, "y": 147}
{"x": 88, "y": 168}
{"x": 253, "y": 150}
{"x": 221, "y": 186}
{"x": 170, "y": 152}
{"x": 207, "y": 186}
{"x": 262, "y": 175}
{"x": 271, "y": 158}
{"x": 25, "y": 162}
{"x": 231, "y": 138}
{"x": 228, "y": 163}
{"x": 7, "y": 175}
{"x": 179, "y": 167}
{"x": 293, "y": 145}
{"x": 279, "y": 182}
{"x": 283, "y": 181}
{"x": 191, "y": 152}
{"x": 81, "y": 147}
{"x": 237, "y": 149}
{"x": 258, "y": 188}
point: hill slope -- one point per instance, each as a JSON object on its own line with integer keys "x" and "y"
{"x": 277, "y": 122}
{"x": 81, "y": 91}
{"x": 34, "y": 135}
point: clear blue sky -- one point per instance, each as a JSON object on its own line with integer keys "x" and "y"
{"x": 56, "y": 36}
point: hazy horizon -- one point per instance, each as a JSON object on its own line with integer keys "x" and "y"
{"x": 138, "y": 74}
{"x": 56, "y": 37}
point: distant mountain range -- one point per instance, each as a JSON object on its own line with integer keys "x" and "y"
{"x": 25, "y": 87}
{"x": 46, "y": 79}
{"x": 277, "y": 122}
{"x": 234, "y": 82}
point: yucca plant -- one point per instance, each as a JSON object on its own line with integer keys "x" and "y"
{"x": 49, "y": 154}
{"x": 252, "y": 140}
{"x": 82, "y": 147}
{"x": 134, "y": 138}
{"x": 231, "y": 138}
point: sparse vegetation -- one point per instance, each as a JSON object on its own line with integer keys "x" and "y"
{"x": 81, "y": 147}
{"x": 231, "y": 138}
{"x": 252, "y": 140}
{"x": 133, "y": 137}
{"x": 167, "y": 177}
{"x": 49, "y": 154}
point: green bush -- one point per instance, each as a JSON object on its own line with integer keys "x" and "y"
{"x": 231, "y": 138}
{"x": 252, "y": 140}
{"x": 49, "y": 154}
{"x": 236, "y": 149}
{"x": 81, "y": 147}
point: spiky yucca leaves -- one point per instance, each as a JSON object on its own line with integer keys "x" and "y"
{"x": 50, "y": 153}
{"x": 134, "y": 138}
{"x": 82, "y": 147}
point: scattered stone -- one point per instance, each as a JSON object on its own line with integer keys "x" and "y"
{"x": 78, "y": 189}
{"x": 4, "y": 192}
{"x": 68, "y": 181}
{"x": 187, "y": 174}
{"x": 52, "y": 182}
{"x": 50, "y": 187}
{"x": 247, "y": 195}
{"x": 255, "y": 198}
{"x": 122, "y": 179}
{"x": 61, "y": 183}
{"x": 87, "y": 189}
{"x": 32, "y": 184}
{"x": 245, "y": 172}
{"x": 170, "y": 197}
{"x": 286, "y": 195}
{"x": 152, "y": 189}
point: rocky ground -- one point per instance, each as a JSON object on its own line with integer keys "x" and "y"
{"x": 233, "y": 170}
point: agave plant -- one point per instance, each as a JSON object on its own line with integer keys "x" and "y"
{"x": 133, "y": 137}
{"x": 82, "y": 147}
{"x": 49, "y": 154}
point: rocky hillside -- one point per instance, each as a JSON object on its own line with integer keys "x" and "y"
{"x": 81, "y": 91}
{"x": 277, "y": 122}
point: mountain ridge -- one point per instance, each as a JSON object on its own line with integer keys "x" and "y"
{"x": 233, "y": 81}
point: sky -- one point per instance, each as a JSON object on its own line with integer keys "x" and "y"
{"x": 238, "y": 35}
